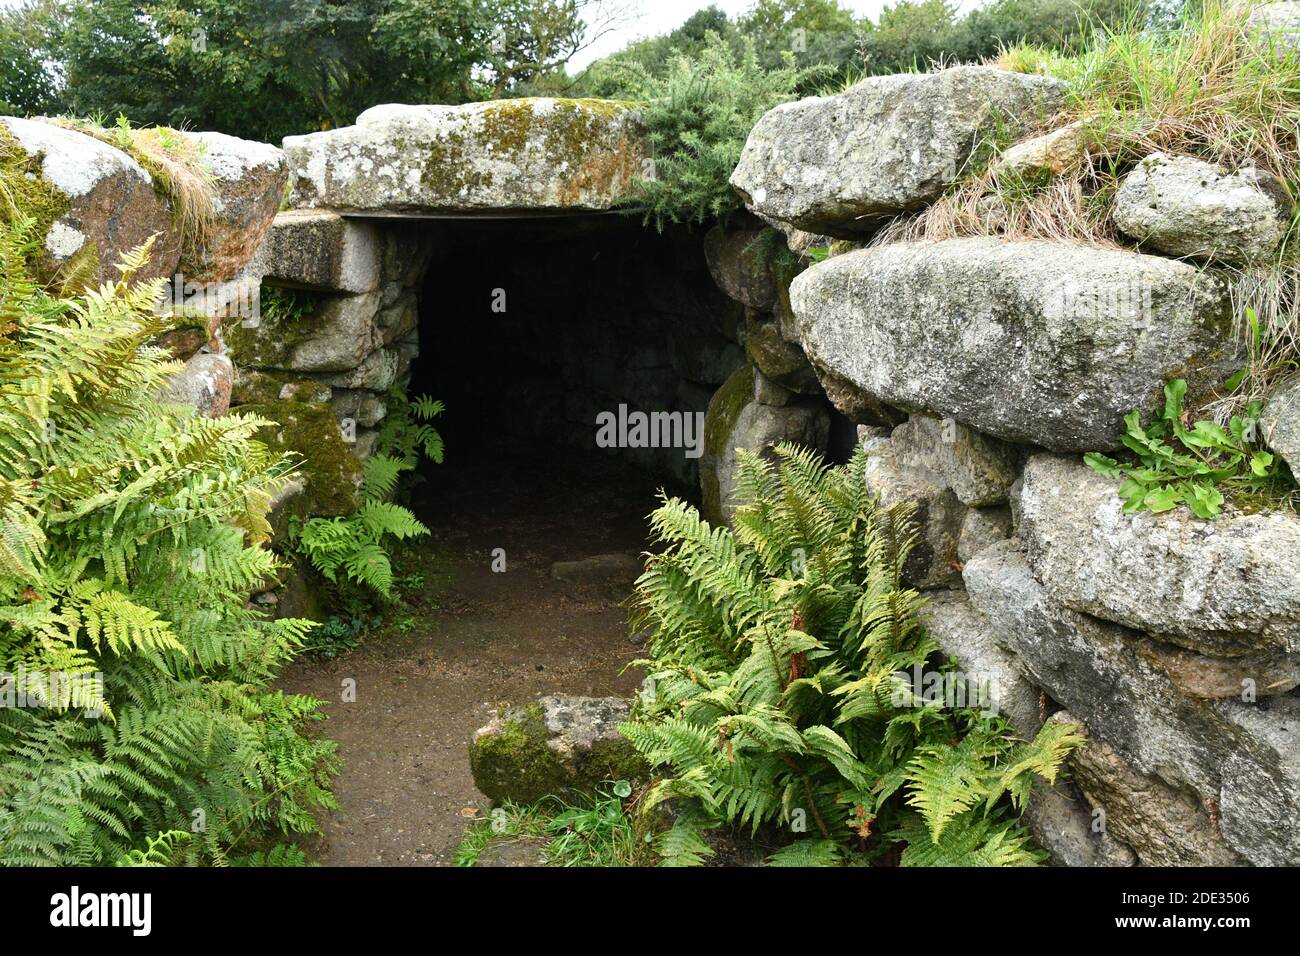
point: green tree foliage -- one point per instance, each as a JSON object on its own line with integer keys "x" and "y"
{"x": 775, "y": 655}
{"x": 699, "y": 113}
{"x": 268, "y": 68}
{"x": 130, "y": 536}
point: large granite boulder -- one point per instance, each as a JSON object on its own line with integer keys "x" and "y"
{"x": 1035, "y": 342}
{"x": 839, "y": 164}
{"x": 248, "y": 180}
{"x": 1185, "y": 207}
{"x": 524, "y": 154}
{"x": 554, "y": 747}
{"x": 92, "y": 203}
{"x": 1229, "y": 587}
{"x": 980, "y": 470}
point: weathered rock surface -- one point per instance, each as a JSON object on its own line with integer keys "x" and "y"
{"x": 740, "y": 261}
{"x": 524, "y": 154}
{"x": 778, "y": 360}
{"x": 1035, "y": 342}
{"x": 937, "y": 513}
{"x": 1163, "y": 825}
{"x": 1185, "y": 207}
{"x": 838, "y": 164}
{"x": 1052, "y": 154}
{"x": 964, "y": 635}
{"x": 1242, "y": 755}
{"x": 204, "y": 383}
{"x": 978, "y": 469}
{"x": 320, "y": 250}
{"x": 551, "y": 747}
{"x": 94, "y": 202}
{"x": 1279, "y": 422}
{"x": 1060, "y": 818}
{"x": 249, "y": 180}
{"x": 736, "y": 420}
{"x": 1226, "y": 587}
{"x": 981, "y": 528}
{"x": 337, "y": 334}
{"x": 330, "y": 472}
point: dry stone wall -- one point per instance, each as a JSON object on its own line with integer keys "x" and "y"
{"x": 1169, "y": 639}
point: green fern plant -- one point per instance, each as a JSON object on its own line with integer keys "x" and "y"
{"x": 353, "y": 548}
{"x": 775, "y": 655}
{"x": 131, "y": 533}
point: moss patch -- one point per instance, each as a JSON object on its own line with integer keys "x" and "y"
{"x": 719, "y": 424}
{"x": 310, "y": 432}
{"x": 287, "y": 318}
{"x": 515, "y": 762}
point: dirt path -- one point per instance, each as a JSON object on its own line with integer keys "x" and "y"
{"x": 471, "y": 639}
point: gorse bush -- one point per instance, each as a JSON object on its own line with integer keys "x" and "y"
{"x": 699, "y": 113}
{"x": 135, "y": 687}
{"x": 775, "y": 656}
{"x": 352, "y": 548}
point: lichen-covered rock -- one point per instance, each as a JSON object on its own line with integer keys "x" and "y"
{"x": 205, "y": 384}
{"x": 736, "y": 420}
{"x": 779, "y": 360}
{"x": 1242, "y": 754}
{"x": 981, "y": 528}
{"x": 248, "y": 180}
{"x": 320, "y": 250}
{"x": 1279, "y": 422}
{"x": 324, "y": 334}
{"x": 741, "y": 263}
{"x": 978, "y": 469}
{"x": 1164, "y": 826}
{"x": 964, "y": 636}
{"x": 1225, "y": 587}
{"x": 330, "y": 471}
{"x": 92, "y": 203}
{"x": 1186, "y": 207}
{"x": 855, "y": 404}
{"x": 838, "y": 164}
{"x": 556, "y": 746}
{"x": 1035, "y": 342}
{"x": 938, "y": 514}
{"x": 523, "y": 154}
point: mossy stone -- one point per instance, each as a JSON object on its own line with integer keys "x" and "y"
{"x": 526, "y": 754}
{"x": 311, "y": 434}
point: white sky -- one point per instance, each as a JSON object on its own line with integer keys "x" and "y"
{"x": 655, "y": 17}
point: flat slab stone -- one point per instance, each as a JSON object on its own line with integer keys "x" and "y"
{"x": 1043, "y": 343}
{"x": 531, "y": 154}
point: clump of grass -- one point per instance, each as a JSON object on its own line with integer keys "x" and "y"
{"x": 174, "y": 161}
{"x": 594, "y": 831}
{"x": 1206, "y": 87}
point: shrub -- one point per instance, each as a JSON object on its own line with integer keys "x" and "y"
{"x": 699, "y": 113}
{"x": 129, "y": 541}
{"x": 775, "y": 656}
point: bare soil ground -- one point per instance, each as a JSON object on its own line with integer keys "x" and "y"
{"x": 470, "y": 639}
